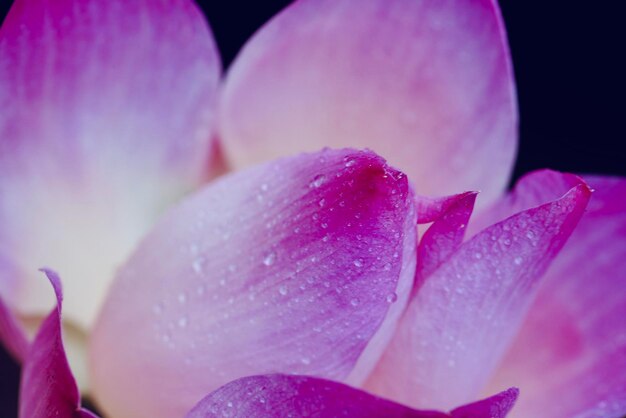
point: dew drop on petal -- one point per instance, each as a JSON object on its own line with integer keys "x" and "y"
{"x": 269, "y": 259}
{"x": 392, "y": 297}
{"x": 317, "y": 181}
{"x": 282, "y": 290}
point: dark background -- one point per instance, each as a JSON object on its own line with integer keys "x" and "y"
{"x": 569, "y": 81}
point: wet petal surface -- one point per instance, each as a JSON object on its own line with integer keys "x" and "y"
{"x": 302, "y": 265}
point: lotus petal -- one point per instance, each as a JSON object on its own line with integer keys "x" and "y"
{"x": 467, "y": 311}
{"x": 572, "y": 346}
{"x": 302, "y": 265}
{"x": 427, "y": 84}
{"x": 47, "y": 388}
{"x": 106, "y": 119}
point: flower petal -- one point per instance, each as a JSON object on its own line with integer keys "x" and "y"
{"x": 465, "y": 314}
{"x": 302, "y": 265}
{"x": 106, "y": 117}
{"x": 48, "y": 388}
{"x": 445, "y": 235}
{"x": 298, "y": 396}
{"x": 497, "y": 406}
{"x": 426, "y": 83}
{"x": 429, "y": 209}
{"x": 305, "y": 396}
{"x": 572, "y": 346}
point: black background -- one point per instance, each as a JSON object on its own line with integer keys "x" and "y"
{"x": 570, "y": 86}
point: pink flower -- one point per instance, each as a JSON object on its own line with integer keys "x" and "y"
{"x": 301, "y": 285}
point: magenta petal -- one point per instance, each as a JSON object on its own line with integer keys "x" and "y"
{"x": 429, "y": 209}
{"x": 426, "y": 83}
{"x": 570, "y": 356}
{"x": 466, "y": 313}
{"x": 48, "y": 388}
{"x": 107, "y": 116}
{"x": 301, "y": 265}
{"x": 304, "y": 396}
{"x": 497, "y": 406}
{"x": 12, "y": 335}
{"x": 445, "y": 235}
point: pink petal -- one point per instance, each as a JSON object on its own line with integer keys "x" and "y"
{"x": 497, "y": 406}
{"x": 304, "y": 396}
{"x": 106, "y": 119}
{"x": 445, "y": 235}
{"x": 429, "y": 209}
{"x": 302, "y": 265}
{"x": 48, "y": 388}
{"x": 570, "y": 355}
{"x": 465, "y": 314}
{"x": 426, "y": 83}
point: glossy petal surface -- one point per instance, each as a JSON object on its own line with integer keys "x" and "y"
{"x": 106, "y": 118}
{"x": 465, "y": 314}
{"x": 305, "y": 396}
{"x": 572, "y": 346}
{"x": 48, "y": 388}
{"x": 425, "y": 83}
{"x": 302, "y": 265}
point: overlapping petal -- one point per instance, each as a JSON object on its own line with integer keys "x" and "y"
{"x": 425, "y": 83}
{"x": 48, "y": 388}
{"x": 467, "y": 311}
{"x": 304, "y": 396}
{"x": 570, "y": 355}
{"x": 302, "y": 265}
{"x": 107, "y": 109}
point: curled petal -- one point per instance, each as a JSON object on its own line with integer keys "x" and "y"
{"x": 467, "y": 311}
{"x": 445, "y": 235}
{"x": 304, "y": 396}
{"x": 425, "y": 83}
{"x": 48, "y": 388}
{"x": 302, "y": 265}
{"x": 572, "y": 346}
{"x": 106, "y": 119}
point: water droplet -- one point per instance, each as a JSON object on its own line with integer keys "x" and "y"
{"x": 387, "y": 267}
{"x": 282, "y": 290}
{"x": 269, "y": 259}
{"x": 322, "y": 202}
{"x": 317, "y": 181}
{"x": 197, "y": 265}
{"x": 392, "y": 297}
{"x": 264, "y": 187}
{"x": 350, "y": 163}
{"x": 325, "y": 238}
{"x": 358, "y": 263}
{"x": 182, "y": 297}
{"x": 305, "y": 360}
{"x": 355, "y": 302}
{"x": 478, "y": 256}
{"x": 517, "y": 260}
{"x": 182, "y": 322}
{"x": 530, "y": 235}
